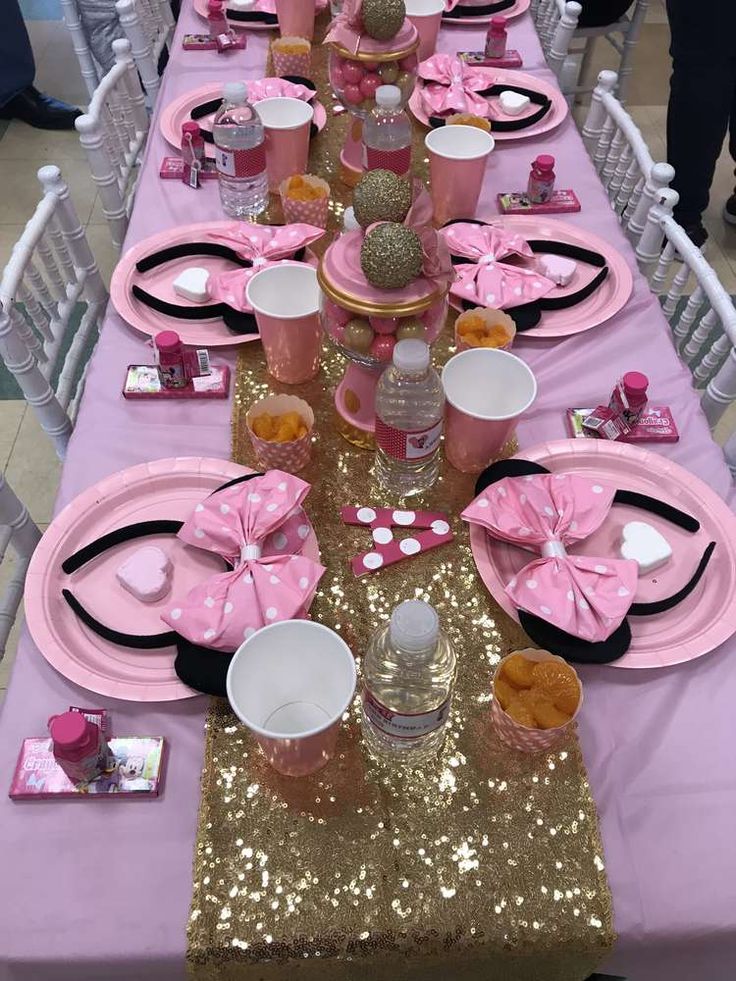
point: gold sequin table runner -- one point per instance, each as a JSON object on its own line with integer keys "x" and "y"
{"x": 484, "y": 864}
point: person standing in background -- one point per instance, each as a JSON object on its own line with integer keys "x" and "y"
{"x": 702, "y": 104}
{"x": 18, "y": 97}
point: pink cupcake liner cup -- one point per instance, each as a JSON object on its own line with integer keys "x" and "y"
{"x": 286, "y": 302}
{"x": 290, "y": 683}
{"x": 520, "y": 737}
{"x": 286, "y": 123}
{"x": 426, "y": 16}
{"x": 290, "y": 64}
{"x": 486, "y": 391}
{"x": 492, "y": 316}
{"x": 296, "y": 17}
{"x": 457, "y": 163}
{"x": 311, "y": 212}
{"x": 292, "y": 456}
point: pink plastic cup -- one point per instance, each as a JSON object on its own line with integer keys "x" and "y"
{"x": 296, "y": 17}
{"x": 457, "y": 163}
{"x": 486, "y": 390}
{"x": 286, "y": 123}
{"x": 426, "y": 16}
{"x": 286, "y": 301}
{"x": 290, "y": 684}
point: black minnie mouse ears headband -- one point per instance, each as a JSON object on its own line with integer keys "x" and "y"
{"x": 509, "y": 125}
{"x": 463, "y": 11}
{"x": 527, "y": 315}
{"x": 567, "y": 645}
{"x": 201, "y": 668}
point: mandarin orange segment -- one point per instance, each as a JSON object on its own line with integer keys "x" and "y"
{"x": 503, "y": 691}
{"x": 546, "y": 716}
{"x": 284, "y": 428}
{"x": 520, "y": 713}
{"x": 559, "y": 683}
{"x": 518, "y": 670}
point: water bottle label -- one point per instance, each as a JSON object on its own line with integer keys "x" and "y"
{"x": 400, "y": 726}
{"x": 416, "y": 444}
{"x": 241, "y": 163}
{"x": 398, "y": 161}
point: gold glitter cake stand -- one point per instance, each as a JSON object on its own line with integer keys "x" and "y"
{"x": 484, "y": 864}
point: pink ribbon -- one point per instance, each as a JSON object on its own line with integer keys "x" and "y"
{"x": 451, "y": 86}
{"x": 264, "y": 245}
{"x": 259, "y": 527}
{"x": 583, "y": 595}
{"x": 489, "y": 281}
{"x": 436, "y": 261}
{"x": 347, "y": 28}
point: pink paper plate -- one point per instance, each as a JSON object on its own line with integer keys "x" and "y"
{"x": 158, "y": 282}
{"x": 179, "y": 111}
{"x": 607, "y": 300}
{"x": 266, "y": 7}
{"x": 557, "y": 113}
{"x": 520, "y": 7}
{"x": 697, "y": 625}
{"x": 161, "y": 489}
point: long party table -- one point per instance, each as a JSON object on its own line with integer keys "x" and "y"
{"x": 102, "y": 891}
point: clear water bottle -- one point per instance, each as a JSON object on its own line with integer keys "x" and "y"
{"x": 240, "y": 154}
{"x": 387, "y": 133}
{"x": 410, "y": 404}
{"x": 409, "y": 673}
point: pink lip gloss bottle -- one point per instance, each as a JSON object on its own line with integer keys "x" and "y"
{"x": 79, "y": 746}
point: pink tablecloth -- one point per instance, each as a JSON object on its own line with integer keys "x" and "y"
{"x": 101, "y": 891}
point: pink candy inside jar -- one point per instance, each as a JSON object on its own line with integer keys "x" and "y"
{"x": 371, "y": 338}
{"x": 355, "y": 81}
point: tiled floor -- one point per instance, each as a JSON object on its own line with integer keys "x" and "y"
{"x": 26, "y": 456}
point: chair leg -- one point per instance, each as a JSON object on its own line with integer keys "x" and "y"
{"x": 585, "y": 62}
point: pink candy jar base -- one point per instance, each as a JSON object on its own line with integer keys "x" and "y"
{"x": 351, "y": 155}
{"x": 355, "y": 401}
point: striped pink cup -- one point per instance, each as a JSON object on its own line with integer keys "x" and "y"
{"x": 486, "y": 390}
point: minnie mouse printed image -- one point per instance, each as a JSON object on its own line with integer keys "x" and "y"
{"x": 131, "y": 770}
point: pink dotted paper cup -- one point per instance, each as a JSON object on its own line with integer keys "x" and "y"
{"x": 520, "y": 737}
{"x": 292, "y": 456}
{"x": 310, "y": 212}
{"x": 290, "y": 684}
{"x": 291, "y": 63}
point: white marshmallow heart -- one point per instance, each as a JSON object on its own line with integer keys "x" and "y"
{"x": 557, "y": 268}
{"x": 645, "y": 545}
{"x": 193, "y": 284}
{"x": 513, "y": 103}
{"x": 241, "y": 4}
{"x": 146, "y": 574}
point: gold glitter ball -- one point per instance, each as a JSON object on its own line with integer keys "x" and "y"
{"x": 382, "y": 19}
{"x": 380, "y": 195}
{"x": 391, "y": 256}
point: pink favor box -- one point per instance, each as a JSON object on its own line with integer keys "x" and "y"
{"x": 517, "y": 203}
{"x": 657, "y": 425}
{"x": 135, "y": 769}
{"x": 512, "y": 59}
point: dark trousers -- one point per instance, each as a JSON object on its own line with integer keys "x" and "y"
{"x": 702, "y": 102}
{"x": 17, "y": 67}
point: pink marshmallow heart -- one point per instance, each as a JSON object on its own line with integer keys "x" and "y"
{"x": 558, "y": 268}
{"x": 146, "y": 574}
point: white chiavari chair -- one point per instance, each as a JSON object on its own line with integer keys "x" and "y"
{"x": 113, "y": 132}
{"x": 19, "y": 533}
{"x": 698, "y": 307}
{"x": 91, "y": 71}
{"x": 50, "y": 279}
{"x": 621, "y": 35}
{"x": 621, "y": 156}
{"x": 148, "y": 25}
{"x": 556, "y": 21}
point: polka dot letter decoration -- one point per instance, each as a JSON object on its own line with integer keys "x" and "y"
{"x": 387, "y": 548}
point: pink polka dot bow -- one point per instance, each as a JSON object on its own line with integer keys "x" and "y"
{"x": 263, "y": 245}
{"x": 488, "y": 280}
{"x": 259, "y": 527}
{"x": 451, "y": 85}
{"x": 583, "y": 595}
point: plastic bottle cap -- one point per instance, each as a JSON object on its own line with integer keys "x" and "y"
{"x": 349, "y": 221}
{"x": 167, "y": 340}
{"x": 235, "y": 92}
{"x": 191, "y": 127}
{"x": 411, "y": 356}
{"x": 388, "y": 96}
{"x": 499, "y": 22}
{"x": 415, "y": 626}
{"x": 214, "y": 6}
{"x": 635, "y": 381}
{"x": 68, "y": 729}
{"x": 545, "y": 161}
